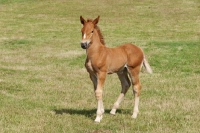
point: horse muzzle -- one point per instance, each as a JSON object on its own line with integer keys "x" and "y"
{"x": 85, "y": 44}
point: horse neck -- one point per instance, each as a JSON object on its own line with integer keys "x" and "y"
{"x": 96, "y": 47}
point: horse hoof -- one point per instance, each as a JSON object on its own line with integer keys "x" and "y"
{"x": 112, "y": 112}
{"x": 134, "y": 116}
{"x": 97, "y": 120}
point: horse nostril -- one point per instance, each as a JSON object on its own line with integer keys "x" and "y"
{"x": 83, "y": 45}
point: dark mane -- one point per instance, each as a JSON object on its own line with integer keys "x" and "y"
{"x": 99, "y": 32}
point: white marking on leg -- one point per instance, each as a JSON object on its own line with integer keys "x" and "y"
{"x": 136, "y": 110}
{"x": 102, "y": 107}
{"x": 116, "y": 104}
{"x": 99, "y": 111}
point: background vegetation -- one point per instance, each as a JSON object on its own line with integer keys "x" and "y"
{"x": 44, "y": 86}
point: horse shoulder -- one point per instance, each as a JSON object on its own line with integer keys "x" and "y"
{"x": 96, "y": 62}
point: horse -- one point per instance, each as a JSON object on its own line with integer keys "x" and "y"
{"x": 126, "y": 60}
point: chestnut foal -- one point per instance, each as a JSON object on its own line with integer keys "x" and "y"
{"x": 124, "y": 60}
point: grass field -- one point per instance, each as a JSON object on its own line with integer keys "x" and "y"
{"x": 44, "y": 87}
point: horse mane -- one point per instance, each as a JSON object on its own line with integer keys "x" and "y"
{"x": 99, "y": 32}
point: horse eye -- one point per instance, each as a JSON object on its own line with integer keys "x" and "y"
{"x": 92, "y": 31}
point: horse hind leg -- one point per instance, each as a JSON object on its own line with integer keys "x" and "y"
{"x": 125, "y": 83}
{"x": 134, "y": 75}
{"x": 136, "y": 90}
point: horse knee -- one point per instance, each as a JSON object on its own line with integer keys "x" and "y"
{"x": 98, "y": 94}
{"x": 136, "y": 89}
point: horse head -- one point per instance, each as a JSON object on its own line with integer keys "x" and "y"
{"x": 87, "y": 31}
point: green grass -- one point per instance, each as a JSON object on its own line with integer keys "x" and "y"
{"x": 44, "y": 86}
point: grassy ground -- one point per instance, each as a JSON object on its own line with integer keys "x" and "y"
{"x": 44, "y": 86}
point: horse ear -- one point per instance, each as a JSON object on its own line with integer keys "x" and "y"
{"x": 82, "y": 20}
{"x": 96, "y": 20}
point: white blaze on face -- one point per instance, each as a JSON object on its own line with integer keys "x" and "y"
{"x": 84, "y": 36}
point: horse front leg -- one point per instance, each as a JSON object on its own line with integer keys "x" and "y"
{"x": 98, "y": 93}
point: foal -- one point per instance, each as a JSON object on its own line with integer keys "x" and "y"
{"x": 124, "y": 60}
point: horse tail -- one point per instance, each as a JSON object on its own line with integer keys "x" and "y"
{"x": 147, "y": 66}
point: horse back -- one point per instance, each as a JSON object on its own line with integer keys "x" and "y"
{"x": 125, "y": 55}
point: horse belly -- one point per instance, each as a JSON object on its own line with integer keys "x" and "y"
{"x": 117, "y": 61}
{"x": 117, "y": 68}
